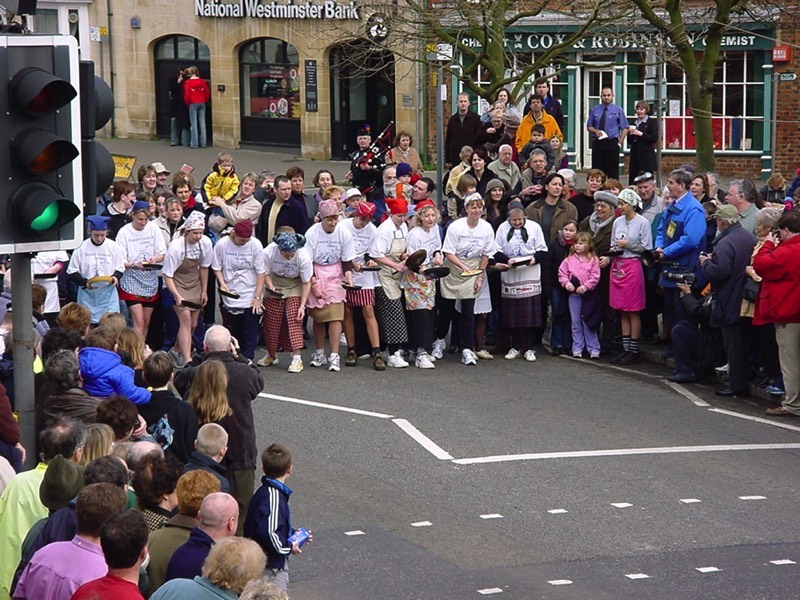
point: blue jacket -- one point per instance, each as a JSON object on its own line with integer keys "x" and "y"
{"x": 187, "y": 560}
{"x": 271, "y": 528}
{"x": 104, "y": 374}
{"x": 681, "y": 234}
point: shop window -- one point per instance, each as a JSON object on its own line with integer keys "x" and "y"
{"x": 270, "y": 76}
{"x": 182, "y": 47}
{"x": 46, "y": 21}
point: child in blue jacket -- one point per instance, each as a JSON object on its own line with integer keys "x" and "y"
{"x": 103, "y": 372}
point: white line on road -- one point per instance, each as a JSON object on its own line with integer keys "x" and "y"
{"x": 689, "y": 500}
{"x": 560, "y": 582}
{"x": 422, "y": 524}
{"x": 354, "y": 532}
{"x": 488, "y": 591}
{"x": 492, "y": 516}
{"x": 783, "y": 561}
{"x": 697, "y": 400}
{"x": 637, "y": 576}
{"x": 356, "y": 411}
{"x": 422, "y": 439}
{"x": 707, "y": 569}
{"x": 730, "y": 413}
{"x": 622, "y": 452}
{"x": 621, "y": 504}
{"x": 752, "y": 497}
{"x": 557, "y": 511}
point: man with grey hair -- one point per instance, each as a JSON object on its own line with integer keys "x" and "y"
{"x": 209, "y": 450}
{"x": 218, "y": 518}
{"x": 725, "y": 270}
{"x": 533, "y": 178}
{"x": 245, "y": 383}
{"x": 505, "y": 167}
{"x": 69, "y": 399}
{"x": 742, "y": 195}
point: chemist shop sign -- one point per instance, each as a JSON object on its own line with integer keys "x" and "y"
{"x": 327, "y": 10}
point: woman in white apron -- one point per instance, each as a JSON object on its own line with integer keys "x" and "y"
{"x": 186, "y": 277}
{"x": 97, "y": 257}
{"x": 45, "y": 267}
{"x": 389, "y": 251}
{"x": 467, "y": 247}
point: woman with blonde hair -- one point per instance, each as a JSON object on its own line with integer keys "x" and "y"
{"x": 99, "y": 442}
{"x": 208, "y": 395}
{"x": 131, "y": 347}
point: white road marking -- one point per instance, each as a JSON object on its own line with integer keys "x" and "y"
{"x": 557, "y": 511}
{"x": 560, "y": 582}
{"x": 696, "y": 400}
{"x": 772, "y": 422}
{"x": 637, "y": 576}
{"x": 422, "y": 524}
{"x": 354, "y": 532}
{"x": 356, "y": 411}
{"x": 621, "y": 504}
{"x": 623, "y": 452}
{"x": 707, "y": 569}
{"x": 752, "y": 497}
{"x": 422, "y": 439}
{"x": 689, "y": 500}
{"x": 488, "y": 591}
{"x": 492, "y": 516}
{"x": 783, "y": 561}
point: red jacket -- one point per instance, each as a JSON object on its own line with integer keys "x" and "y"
{"x": 195, "y": 91}
{"x": 779, "y": 298}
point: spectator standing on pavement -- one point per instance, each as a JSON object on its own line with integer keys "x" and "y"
{"x": 642, "y": 139}
{"x": 195, "y": 95}
{"x": 550, "y": 103}
{"x": 462, "y": 130}
{"x": 608, "y": 125}
{"x": 210, "y": 448}
{"x": 743, "y": 196}
{"x": 537, "y": 115}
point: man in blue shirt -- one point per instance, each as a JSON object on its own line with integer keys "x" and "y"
{"x": 609, "y": 126}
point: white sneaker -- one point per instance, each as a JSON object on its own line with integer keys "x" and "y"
{"x": 468, "y": 357}
{"x": 267, "y": 360}
{"x": 424, "y": 362}
{"x": 530, "y": 356}
{"x": 333, "y": 360}
{"x": 319, "y": 360}
{"x": 723, "y": 369}
{"x": 512, "y": 354}
{"x": 297, "y": 365}
{"x": 438, "y": 349}
{"x": 396, "y": 360}
{"x": 484, "y": 355}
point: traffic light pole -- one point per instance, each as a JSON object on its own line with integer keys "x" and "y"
{"x": 22, "y": 321}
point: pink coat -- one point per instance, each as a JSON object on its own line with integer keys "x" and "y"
{"x": 586, "y": 271}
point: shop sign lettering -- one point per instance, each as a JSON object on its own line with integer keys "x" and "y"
{"x": 328, "y": 10}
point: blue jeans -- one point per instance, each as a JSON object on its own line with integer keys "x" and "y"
{"x": 197, "y": 124}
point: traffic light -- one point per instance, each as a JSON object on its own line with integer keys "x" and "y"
{"x": 97, "y": 106}
{"x": 40, "y": 165}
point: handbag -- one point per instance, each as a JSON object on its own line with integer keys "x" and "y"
{"x": 751, "y": 289}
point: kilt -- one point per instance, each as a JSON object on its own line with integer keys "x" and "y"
{"x": 522, "y": 312}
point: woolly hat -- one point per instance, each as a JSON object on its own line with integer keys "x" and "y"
{"x": 604, "y": 196}
{"x": 404, "y": 169}
{"x": 244, "y": 229}
{"x": 495, "y": 183}
{"x": 62, "y": 482}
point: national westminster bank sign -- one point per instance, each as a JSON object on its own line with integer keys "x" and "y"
{"x": 328, "y": 10}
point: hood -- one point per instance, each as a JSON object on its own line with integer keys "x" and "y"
{"x": 96, "y": 362}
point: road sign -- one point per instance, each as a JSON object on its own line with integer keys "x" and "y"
{"x": 787, "y": 76}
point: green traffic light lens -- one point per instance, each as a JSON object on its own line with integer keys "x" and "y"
{"x": 47, "y": 218}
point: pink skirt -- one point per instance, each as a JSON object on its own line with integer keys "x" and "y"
{"x": 626, "y": 289}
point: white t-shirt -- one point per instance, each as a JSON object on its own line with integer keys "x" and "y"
{"x": 240, "y": 267}
{"x": 93, "y": 261}
{"x": 179, "y": 249}
{"x": 141, "y": 245}
{"x": 299, "y": 265}
{"x": 466, "y": 242}
{"x": 387, "y": 233}
{"x": 41, "y": 262}
{"x": 329, "y": 248}
{"x": 362, "y": 242}
{"x": 419, "y": 239}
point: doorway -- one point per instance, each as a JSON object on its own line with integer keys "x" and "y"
{"x": 594, "y": 80}
{"x": 362, "y": 92}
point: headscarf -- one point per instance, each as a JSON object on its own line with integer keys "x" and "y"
{"x": 365, "y": 210}
{"x": 289, "y": 242}
{"x": 628, "y": 196}
{"x": 328, "y": 208}
{"x": 397, "y": 206}
{"x": 196, "y": 220}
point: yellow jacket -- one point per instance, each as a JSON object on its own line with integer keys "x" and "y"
{"x": 224, "y": 186}
{"x": 551, "y": 128}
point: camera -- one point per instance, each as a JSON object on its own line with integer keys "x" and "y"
{"x": 679, "y": 275}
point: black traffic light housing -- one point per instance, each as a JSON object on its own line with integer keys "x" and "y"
{"x": 41, "y": 197}
{"x": 97, "y": 107}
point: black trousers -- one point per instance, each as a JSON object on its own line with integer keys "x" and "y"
{"x": 605, "y": 156}
{"x": 733, "y": 337}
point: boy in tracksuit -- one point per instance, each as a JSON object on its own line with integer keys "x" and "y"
{"x": 269, "y": 520}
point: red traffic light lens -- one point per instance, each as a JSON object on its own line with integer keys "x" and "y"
{"x": 39, "y": 93}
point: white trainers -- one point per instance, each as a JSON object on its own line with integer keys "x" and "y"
{"x": 424, "y": 362}
{"x": 468, "y": 357}
{"x": 333, "y": 361}
{"x": 512, "y": 354}
{"x": 530, "y": 356}
{"x": 438, "y": 349}
{"x": 484, "y": 355}
{"x": 267, "y": 360}
{"x": 318, "y": 359}
{"x": 342, "y": 340}
{"x": 723, "y": 369}
{"x": 296, "y": 366}
{"x": 397, "y": 361}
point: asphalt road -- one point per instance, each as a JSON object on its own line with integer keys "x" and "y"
{"x": 463, "y": 482}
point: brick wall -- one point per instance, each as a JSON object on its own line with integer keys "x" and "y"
{"x": 787, "y": 151}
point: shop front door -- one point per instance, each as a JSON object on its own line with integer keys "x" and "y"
{"x": 594, "y": 80}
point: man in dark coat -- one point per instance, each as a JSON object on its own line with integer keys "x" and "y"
{"x": 63, "y": 372}
{"x": 462, "y": 130}
{"x": 725, "y": 270}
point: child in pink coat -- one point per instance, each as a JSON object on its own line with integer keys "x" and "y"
{"x": 578, "y": 274}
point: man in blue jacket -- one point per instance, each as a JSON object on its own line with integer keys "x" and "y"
{"x": 680, "y": 238}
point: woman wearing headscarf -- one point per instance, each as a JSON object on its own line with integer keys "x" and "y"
{"x": 288, "y": 272}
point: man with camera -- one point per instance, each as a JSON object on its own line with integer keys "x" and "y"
{"x": 681, "y": 234}
{"x": 725, "y": 270}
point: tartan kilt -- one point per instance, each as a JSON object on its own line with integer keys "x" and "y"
{"x": 522, "y": 312}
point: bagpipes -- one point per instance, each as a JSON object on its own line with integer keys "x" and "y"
{"x": 373, "y": 156}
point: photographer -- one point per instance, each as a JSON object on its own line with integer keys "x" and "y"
{"x": 725, "y": 270}
{"x": 697, "y": 345}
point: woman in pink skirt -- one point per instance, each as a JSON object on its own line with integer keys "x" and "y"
{"x": 631, "y": 234}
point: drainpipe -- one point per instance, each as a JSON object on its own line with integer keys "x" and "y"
{"x": 110, "y": 14}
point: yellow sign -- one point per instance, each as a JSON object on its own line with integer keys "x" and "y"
{"x": 103, "y": 31}
{"x": 123, "y": 165}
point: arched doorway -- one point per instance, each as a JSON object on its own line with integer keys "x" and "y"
{"x": 362, "y": 91}
{"x": 269, "y": 80}
{"x": 172, "y": 54}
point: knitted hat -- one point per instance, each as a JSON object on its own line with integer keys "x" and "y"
{"x": 404, "y": 169}
{"x": 244, "y": 229}
{"x": 495, "y": 183}
{"x": 62, "y": 482}
{"x": 604, "y": 196}
{"x": 424, "y": 204}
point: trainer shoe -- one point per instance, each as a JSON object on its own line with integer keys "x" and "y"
{"x": 438, "y": 349}
{"x": 723, "y": 370}
{"x": 397, "y": 361}
{"x": 424, "y": 362}
{"x": 177, "y": 358}
{"x": 484, "y": 355}
{"x": 530, "y": 356}
{"x": 378, "y": 363}
{"x": 351, "y": 360}
{"x": 297, "y": 365}
{"x": 512, "y": 354}
{"x": 333, "y": 361}
{"x": 318, "y": 359}
{"x": 468, "y": 357}
{"x": 267, "y": 360}
{"x": 342, "y": 340}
